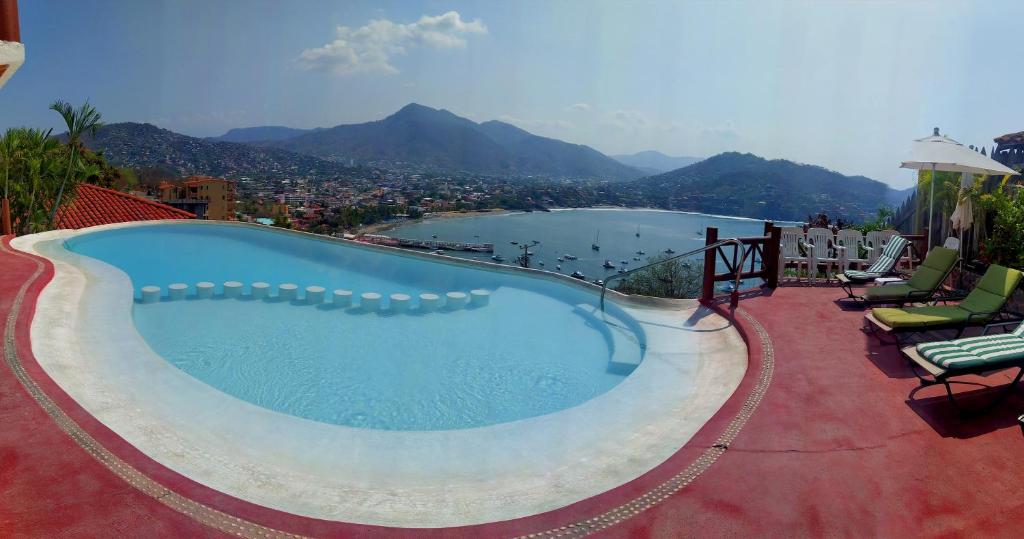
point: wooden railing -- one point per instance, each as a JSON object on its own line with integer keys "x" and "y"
{"x": 750, "y": 258}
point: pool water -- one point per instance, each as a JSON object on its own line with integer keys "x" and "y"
{"x": 537, "y": 347}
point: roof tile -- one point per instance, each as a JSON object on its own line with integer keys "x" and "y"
{"x": 94, "y": 205}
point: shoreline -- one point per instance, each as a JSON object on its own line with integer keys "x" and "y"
{"x": 378, "y": 228}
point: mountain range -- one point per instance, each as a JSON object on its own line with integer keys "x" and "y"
{"x": 419, "y": 136}
{"x": 425, "y": 139}
{"x": 744, "y": 184}
{"x": 654, "y": 162}
{"x": 265, "y": 133}
{"x": 143, "y": 146}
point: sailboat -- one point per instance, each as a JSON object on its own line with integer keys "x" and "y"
{"x": 638, "y": 231}
{"x": 595, "y": 245}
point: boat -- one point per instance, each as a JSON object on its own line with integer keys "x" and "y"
{"x": 570, "y": 257}
{"x": 559, "y": 259}
{"x": 433, "y": 236}
{"x": 578, "y": 275}
{"x": 513, "y": 242}
{"x": 608, "y": 264}
{"x": 541, "y": 262}
{"x": 595, "y": 245}
{"x": 623, "y": 262}
{"x": 599, "y": 282}
{"x": 640, "y": 252}
{"x": 669, "y": 251}
{"x": 700, "y": 233}
{"x": 638, "y": 231}
{"x": 622, "y": 270}
{"x": 498, "y": 258}
{"x": 558, "y": 267}
{"x": 636, "y": 258}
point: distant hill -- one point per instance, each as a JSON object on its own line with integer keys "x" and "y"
{"x": 261, "y": 134}
{"x": 147, "y": 146}
{"x": 655, "y": 161}
{"x": 750, "y": 186}
{"x": 422, "y": 136}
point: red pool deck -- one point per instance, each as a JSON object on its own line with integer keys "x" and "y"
{"x": 831, "y": 447}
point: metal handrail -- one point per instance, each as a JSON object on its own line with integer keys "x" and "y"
{"x": 716, "y": 245}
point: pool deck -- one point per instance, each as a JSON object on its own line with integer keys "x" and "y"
{"x": 819, "y": 440}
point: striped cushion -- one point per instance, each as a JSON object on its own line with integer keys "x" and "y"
{"x": 989, "y": 351}
{"x": 886, "y": 261}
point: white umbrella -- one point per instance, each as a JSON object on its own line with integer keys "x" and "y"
{"x": 939, "y": 153}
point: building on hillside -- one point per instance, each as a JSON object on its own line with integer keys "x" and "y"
{"x": 217, "y": 194}
{"x": 93, "y": 205}
{"x": 1010, "y": 150}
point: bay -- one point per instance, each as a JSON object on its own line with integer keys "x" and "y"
{"x": 620, "y": 234}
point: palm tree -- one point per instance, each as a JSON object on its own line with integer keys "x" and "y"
{"x": 86, "y": 119}
{"x": 8, "y": 151}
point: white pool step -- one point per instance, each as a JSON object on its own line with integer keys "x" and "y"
{"x": 627, "y": 352}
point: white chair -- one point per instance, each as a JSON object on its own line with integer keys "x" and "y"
{"x": 952, "y": 242}
{"x": 818, "y": 240}
{"x": 789, "y": 250}
{"x": 848, "y": 244}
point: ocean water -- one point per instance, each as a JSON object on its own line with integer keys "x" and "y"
{"x": 619, "y": 233}
{"x": 537, "y": 347}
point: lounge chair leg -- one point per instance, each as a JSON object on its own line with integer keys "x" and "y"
{"x": 995, "y": 400}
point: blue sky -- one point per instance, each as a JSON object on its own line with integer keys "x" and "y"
{"x": 844, "y": 85}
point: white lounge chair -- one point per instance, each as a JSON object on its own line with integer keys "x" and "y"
{"x": 818, "y": 240}
{"x": 849, "y": 243}
{"x": 789, "y": 251}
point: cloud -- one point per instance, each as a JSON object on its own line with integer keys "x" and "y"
{"x": 579, "y": 107}
{"x": 370, "y": 48}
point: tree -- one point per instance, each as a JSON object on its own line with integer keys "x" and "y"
{"x": 667, "y": 278}
{"x": 86, "y": 119}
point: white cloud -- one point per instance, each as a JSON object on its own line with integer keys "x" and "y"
{"x": 369, "y": 48}
{"x": 579, "y": 107}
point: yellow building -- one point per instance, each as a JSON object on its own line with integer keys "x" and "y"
{"x": 217, "y": 193}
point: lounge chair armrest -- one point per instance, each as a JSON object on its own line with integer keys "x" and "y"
{"x": 987, "y": 327}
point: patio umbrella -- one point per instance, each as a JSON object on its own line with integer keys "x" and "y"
{"x": 939, "y": 153}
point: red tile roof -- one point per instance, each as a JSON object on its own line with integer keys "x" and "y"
{"x": 94, "y": 205}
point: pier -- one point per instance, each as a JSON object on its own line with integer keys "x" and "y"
{"x": 380, "y": 239}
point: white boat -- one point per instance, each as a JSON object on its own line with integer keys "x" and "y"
{"x": 578, "y": 275}
{"x": 596, "y": 246}
{"x": 558, "y": 267}
{"x": 669, "y": 251}
{"x": 608, "y": 264}
{"x": 498, "y": 258}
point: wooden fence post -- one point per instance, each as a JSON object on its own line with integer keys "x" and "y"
{"x": 710, "y": 257}
{"x": 771, "y": 253}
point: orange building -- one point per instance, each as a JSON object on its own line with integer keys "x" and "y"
{"x": 217, "y": 193}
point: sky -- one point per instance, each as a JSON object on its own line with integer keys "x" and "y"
{"x": 844, "y": 85}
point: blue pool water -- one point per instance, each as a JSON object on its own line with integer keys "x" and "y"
{"x": 536, "y": 348}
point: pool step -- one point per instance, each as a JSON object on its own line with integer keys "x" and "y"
{"x": 627, "y": 352}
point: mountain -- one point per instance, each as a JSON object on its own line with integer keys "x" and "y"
{"x": 750, "y": 186}
{"x": 147, "y": 146}
{"x": 425, "y": 137}
{"x": 262, "y": 133}
{"x": 655, "y": 161}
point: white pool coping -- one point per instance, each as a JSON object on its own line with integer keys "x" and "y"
{"x": 83, "y": 337}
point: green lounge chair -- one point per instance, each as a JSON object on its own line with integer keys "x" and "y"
{"x": 922, "y": 286}
{"x": 984, "y": 304}
{"x": 974, "y": 355}
{"x": 884, "y": 266}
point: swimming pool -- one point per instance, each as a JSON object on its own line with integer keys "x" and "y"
{"x": 536, "y": 347}
{"x": 388, "y": 415}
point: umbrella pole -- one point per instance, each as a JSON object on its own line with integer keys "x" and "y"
{"x": 931, "y": 205}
